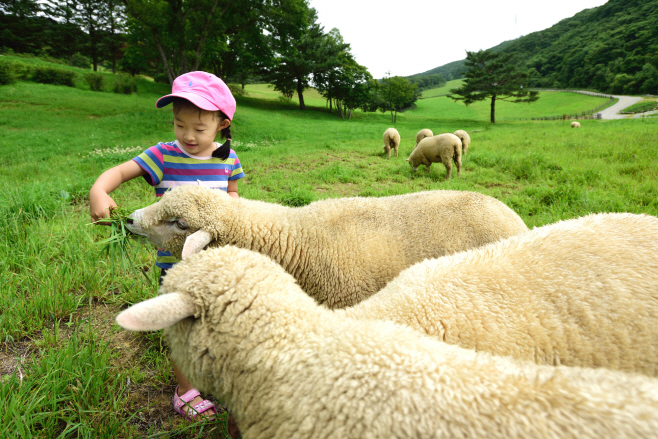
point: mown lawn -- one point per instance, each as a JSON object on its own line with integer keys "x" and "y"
{"x": 68, "y": 371}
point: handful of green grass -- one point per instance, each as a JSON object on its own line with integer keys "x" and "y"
{"x": 118, "y": 245}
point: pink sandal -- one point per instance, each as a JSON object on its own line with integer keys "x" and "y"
{"x": 182, "y": 406}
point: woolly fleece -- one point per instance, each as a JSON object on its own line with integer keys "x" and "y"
{"x": 465, "y": 138}
{"x": 444, "y": 148}
{"x": 343, "y": 250}
{"x": 422, "y": 134}
{"x": 582, "y": 292}
{"x": 288, "y": 368}
{"x": 391, "y": 141}
{"x": 575, "y": 124}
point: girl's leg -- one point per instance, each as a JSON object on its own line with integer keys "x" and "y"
{"x": 184, "y": 386}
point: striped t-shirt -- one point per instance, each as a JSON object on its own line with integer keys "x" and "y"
{"x": 167, "y": 165}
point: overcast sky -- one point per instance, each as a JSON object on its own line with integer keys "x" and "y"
{"x": 413, "y": 36}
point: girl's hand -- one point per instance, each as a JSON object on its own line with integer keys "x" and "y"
{"x": 100, "y": 203}
{"x": 100, "y": 206}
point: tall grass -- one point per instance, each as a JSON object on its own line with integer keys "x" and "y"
{"x": 63, "y": 376}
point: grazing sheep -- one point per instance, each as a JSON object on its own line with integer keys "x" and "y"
{"x": 339, "y": 250}
{"x": 422, "y": 134}
{"x": 575, "y": 124}
{"x": 288, "y": 368}
{"x": 465, "y": 138}
{"x": 443, "y": 148}
{"x": 391, "y": 141}
{"x": 582, "y": 292}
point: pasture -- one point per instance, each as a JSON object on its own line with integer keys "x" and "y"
{"x": 68, "y": 371}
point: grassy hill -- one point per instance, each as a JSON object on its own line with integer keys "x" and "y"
{"x": 67, "y": 371}
{"x": 435, "y": 104}
{"x": 611, "y": 48}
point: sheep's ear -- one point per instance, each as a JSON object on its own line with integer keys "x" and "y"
{"x": 195, "y": 243}
{"x": 157, "y": 313}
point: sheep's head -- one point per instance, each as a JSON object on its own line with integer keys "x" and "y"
{"x": 195, "y": 286}
{"x": 200, "y": 299}
{"x": 185, "y": 220}
{"x": 413, "y": 161}
{"x": 210, "y": 299}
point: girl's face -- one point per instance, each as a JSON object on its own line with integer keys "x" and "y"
{"x": 196, "y": 131}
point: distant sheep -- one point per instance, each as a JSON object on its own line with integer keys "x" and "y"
{"x": 465, "y": 138}
{"x": 444, "y": 148}
{"x": 422, "y": 134}
{"x": 391, "y": 141}
{"x": 286, "y": 367}
{"x": 575, "y": 124}
{"x": 582, "y": 292}
{"x": 341, "y": 251}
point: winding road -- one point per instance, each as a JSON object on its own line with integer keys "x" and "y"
{"x": 613, "y": 111}
{"x": 624, "y": 101}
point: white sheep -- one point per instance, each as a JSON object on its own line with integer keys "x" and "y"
{"x": 582, "y": 292}
{"x": 575, "y": 124}
{"x": 288, "y": 368}
{"x": 422, "y": 134}
{"x": 465, "y": 138}
{"x": 444, "y": 148}
{"x": 341, "y": 251}
{"x": 391, "y": 141}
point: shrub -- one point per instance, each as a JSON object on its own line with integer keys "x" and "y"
{"x": 124, "y": 84}
{"x": 7, "y": 75}
{"x": 50, "y": 75}
{"x": 81, "y": 61}
{"x": 236, "y": 90}
{"x": 11, "y": 71}
{"x": 161, "y": 78}
{"x": 22, "y": 70}
{"x": 95, "y": 80}
{"x": 52, "y": 59}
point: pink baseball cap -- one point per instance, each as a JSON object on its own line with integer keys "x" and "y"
{"x": 204, "y": 90}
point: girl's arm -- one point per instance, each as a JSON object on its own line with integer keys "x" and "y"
{"x": 232, "y": 188}
{"x": 100, "y": 202}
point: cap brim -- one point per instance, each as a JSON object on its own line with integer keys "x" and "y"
{"x": 197, "y": 100}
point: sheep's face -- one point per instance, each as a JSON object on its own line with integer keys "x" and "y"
{"x": 414, "y": 164}
{"x": 179, "y": 214}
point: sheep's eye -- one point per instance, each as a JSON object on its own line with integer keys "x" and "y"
{"x": 182, "y": 225}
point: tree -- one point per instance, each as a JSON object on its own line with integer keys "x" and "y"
{"x": 339, "y": 78}
{"x": 348, "y": 85}
{"x": 493, "y": 75}
{"x": 66, "y": 35}
{"x": 20, "y": 8}
{"x": 241, "y": 58}
{"x": 114, "y": 18}
{"x": 182, "y": 30}
{"x": 90, "y": 16}
{"x": 395, "y": 94}
{"x": 303, "y": 52}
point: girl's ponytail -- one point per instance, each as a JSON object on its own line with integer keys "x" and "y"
{"x": 223, "y": 151}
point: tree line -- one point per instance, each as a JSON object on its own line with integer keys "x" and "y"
{"x": 242, "y": 41}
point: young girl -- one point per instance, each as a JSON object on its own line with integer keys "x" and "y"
{"x": 203, "y": 106}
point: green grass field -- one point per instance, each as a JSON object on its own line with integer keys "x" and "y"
{"x": 441, "y": 91}
{"x": 68, "y": 371}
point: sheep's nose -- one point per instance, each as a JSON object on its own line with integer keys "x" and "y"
{"x": 129, "y": 220}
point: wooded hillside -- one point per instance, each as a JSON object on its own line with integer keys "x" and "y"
{"x": 612, "y": 48}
